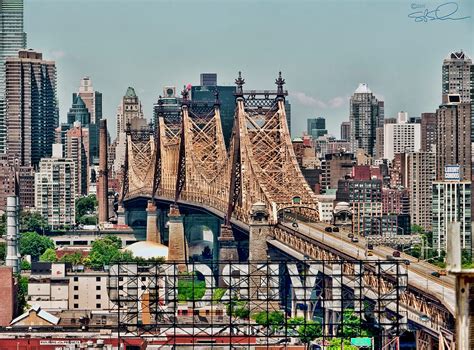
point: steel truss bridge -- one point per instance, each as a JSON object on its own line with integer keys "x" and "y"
{"x": 183, "y": 159}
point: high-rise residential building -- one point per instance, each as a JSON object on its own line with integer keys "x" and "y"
{"x": 419, "y": 176}
{"x": 457, "y": 76}
{"x": 453, "y": 121}
{"x": 12, "y": 39}
{"x": 402, "y": 137}
{"x": 334, "y": 167}
{"x": 366, "y": 115}
{"x": 451, "y": 203}
{"x": 428, "y": 131}
{"x": 365, "y": 199}
{"x": 31, "y": 113}
{"x": 208, "y": 79}
{"x": 55, "y": 189}
{"x": 345, "y": 131}
{"x": 77, "y": 149}
{"x": 316, "y": 127}
{"x": 130, "y": 108}
{"x": 26, "y": 183}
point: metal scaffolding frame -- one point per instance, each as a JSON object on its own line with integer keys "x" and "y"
{"x": 215, "y": 305}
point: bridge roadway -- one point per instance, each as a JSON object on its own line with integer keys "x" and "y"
{"x": 419, "y": 273}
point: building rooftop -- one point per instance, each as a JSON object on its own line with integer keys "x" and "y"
{"x": 363, "y": 88}
{"x": 148, "y": 250}
{"x": 130, "y": 92}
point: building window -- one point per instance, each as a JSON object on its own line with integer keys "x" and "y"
{"x": 97, "y": 279}
{"x": 98, "y": 296}
{"x": 76, "y": 297}
{"x": 98, "y": 306}
{"x": 97, "y": 287}
{"x": 76, "y": 306}
{"x": 76, "y": 287}
{"x": 76, "y": 279}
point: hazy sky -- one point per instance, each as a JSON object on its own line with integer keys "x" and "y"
{"x": 324, "y": 49}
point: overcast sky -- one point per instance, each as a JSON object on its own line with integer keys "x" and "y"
{"x": 324, "y": 49}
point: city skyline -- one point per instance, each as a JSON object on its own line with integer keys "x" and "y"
{"x": 320, "y": 77}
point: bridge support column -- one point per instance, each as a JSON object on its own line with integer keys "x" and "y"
{"x": 121, "y": 216}
{"x": 152, "y": 231}
{"x": 227, "y": 250}
{"x": 259, "y": 230}
{"x": 177, "y": 247}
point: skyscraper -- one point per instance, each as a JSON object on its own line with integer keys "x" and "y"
{"x": 12, "y": 39}
{"x": 87, "y": 99}
{"x": 458, "y": 76}
{"x": 55, "y": 189}
{"x": 208, "y": 79}
{"x": 92, "y": 99}
{"x": 451, "y": 203}
{"x": 129, "y": 108}
{"x": 418, "y": 177}
{"x": 345, "y": 131}
{"x": 31, "y": 113}
{"x": 402, "y": 137}
{"x": 428, "y": 131}
{"x": 454, "y": 137}
{"x": 78, "y": 112}
{"x": 317, "y": 127}
{"x": 77, "y": 149}
{"x": 366, "y": 115}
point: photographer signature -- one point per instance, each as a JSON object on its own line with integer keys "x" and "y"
{"x": 443, "y": 12}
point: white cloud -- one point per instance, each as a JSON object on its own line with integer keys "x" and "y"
{"x": 57, "y": 54}
{"x": 311, "y": 101}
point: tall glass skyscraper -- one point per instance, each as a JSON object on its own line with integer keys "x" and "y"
{"x": 12, "y": 39}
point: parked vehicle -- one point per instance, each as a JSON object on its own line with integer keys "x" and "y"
{"x": 328, "y": 229}
{"x": 436, "y": 274}
{"x": 396, "y": 254}
{"x": 355, "y": 239}
{"x": 350, "y": 235}
{"x": 335, "y": 229}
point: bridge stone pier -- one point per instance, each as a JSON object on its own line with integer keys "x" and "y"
{"x": 177, "y": 246}
{"x": 152, "y": 231}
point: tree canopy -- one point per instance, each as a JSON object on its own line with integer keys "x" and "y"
{"x": 106, "y": 251}
{"x": 34, "y": 244}
{"x": 85, "y": 206}
{"x": 49, "y": 255}
{"x": 32, "y": 222}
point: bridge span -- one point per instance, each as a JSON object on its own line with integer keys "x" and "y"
{"x": 182, "y": 160}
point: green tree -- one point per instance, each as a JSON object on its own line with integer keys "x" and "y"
{"x": 336, "y": 344}
{"x": 31, "y": 243}
{"x": 49, "y": 255}
{"x": 3, "y": 225}
{"x": 85, "y": 205}
{"x": 190, "y": 289}
{"x": 352, "y": 325}
{"x": 273, "y": 319}
{"x": 218, "y": 294}
{"x": 22, "y": 293}
{"x": 3, "y": 251}
{"x": 32, "y": 222}
{"x": 105, "y": 251}
{"x": 25, "y": 265}
{"x": 309, "y": 331}
{"x": 72, "y": 258}
{"x": 88, "y": 220}
{"x": 238, "y": 308}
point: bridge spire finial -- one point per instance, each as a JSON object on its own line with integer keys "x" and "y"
{"x": 240, "y": 83}
{"x": 279, "y": 83}
{"x": 185, "y": 94}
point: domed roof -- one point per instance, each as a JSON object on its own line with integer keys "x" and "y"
{"x": 148, "y": 250}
